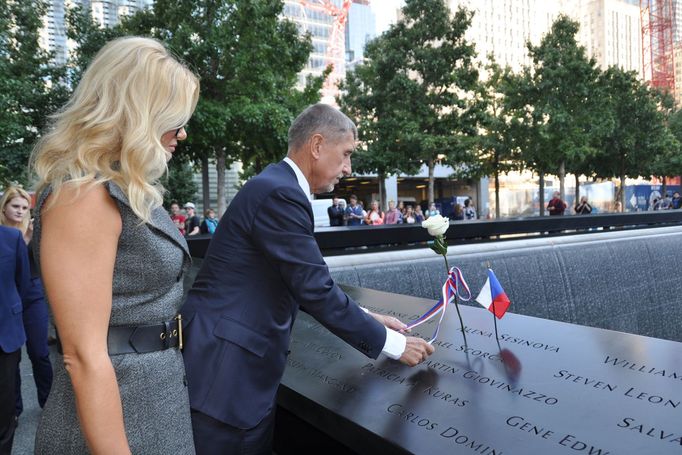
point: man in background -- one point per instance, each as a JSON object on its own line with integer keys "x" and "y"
{"x": 193, "y": 222}
{"x": 335, "y": 212}
{"x": 556, "y": 206}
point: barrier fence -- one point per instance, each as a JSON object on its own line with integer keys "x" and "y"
{"x": 350, "y": 240}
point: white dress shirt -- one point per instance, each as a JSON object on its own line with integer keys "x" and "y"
{"x": 395, "y": 342}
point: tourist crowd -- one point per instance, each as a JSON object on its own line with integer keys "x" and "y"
{"x": 354, "y": 214}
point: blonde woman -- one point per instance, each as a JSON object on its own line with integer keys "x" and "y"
{"x": 15, "y": 212}
{"x": 112, "y": 261}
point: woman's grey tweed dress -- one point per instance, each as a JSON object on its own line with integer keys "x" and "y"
{"x": 147, "y": 289}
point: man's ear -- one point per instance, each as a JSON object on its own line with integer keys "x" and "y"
{"x": 316, "y": 145}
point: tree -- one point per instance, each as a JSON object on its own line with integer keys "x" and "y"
{"x": 417, "y": 98}
{"x": 247, "y": 58}
{"x": 496, "y": 145}
{"x": 369, "y": 99}
{"x": 638, "y": 132}
{"x": 564, "y": 100}
{"x": 30, "y": 86}
{"x": 179, "y": 182}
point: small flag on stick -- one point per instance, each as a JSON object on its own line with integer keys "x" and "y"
{"x": 493, "y": 297}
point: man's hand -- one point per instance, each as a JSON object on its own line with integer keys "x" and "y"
{"x": 390, "y": 322}
{"x": 416, "y": 351}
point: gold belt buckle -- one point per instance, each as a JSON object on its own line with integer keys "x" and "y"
{"x": 180, "y": 341}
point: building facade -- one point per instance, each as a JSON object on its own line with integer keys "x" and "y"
{"x": 360, "y": 29}
{"x": 310, "y": 19}
{"x": 610, "y": 30}
{"x": 105, "y": 13}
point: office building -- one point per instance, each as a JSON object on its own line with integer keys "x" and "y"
{"x": 360, "y": 29}
{"x": 105, "y": 13}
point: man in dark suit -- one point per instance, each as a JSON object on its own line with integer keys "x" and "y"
{"x": 15, "y": 282}
{"x": 262, "y": 264}
{"x": 336, "y": 213}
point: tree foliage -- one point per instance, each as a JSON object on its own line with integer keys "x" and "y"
{"x": 639, "y": 142}
{"x": 562, "y": 94}
{"x": 248, "y": 59}
{"x": 416, "y": 96}
{"x": 30, "y": 86}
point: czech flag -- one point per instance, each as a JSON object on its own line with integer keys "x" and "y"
{"x": 492, "y": 292}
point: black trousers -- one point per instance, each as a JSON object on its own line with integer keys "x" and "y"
{"x": 35, "y": 324}
{"x": 213, "y": 437}
{"x": 8, "y": 377}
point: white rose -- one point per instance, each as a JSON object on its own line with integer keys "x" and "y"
{"x": 436, "y": 225}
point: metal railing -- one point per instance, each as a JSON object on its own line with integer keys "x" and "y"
{"x": 354, "y": 239}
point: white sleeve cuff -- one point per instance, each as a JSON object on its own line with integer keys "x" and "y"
{"x": 395, "y": 344}
{"x": 364, "y": 309}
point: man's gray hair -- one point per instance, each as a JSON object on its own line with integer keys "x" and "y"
{"x": 319, "y": 119}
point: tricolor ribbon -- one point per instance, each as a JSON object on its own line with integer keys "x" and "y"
{"x": 451, "y": 290}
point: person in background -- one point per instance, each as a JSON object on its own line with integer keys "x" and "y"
{"x": 335, "y": 213}
{"x": 401, "y": 208}
{"x": 433, "y": 211}
{"x": 666, "y": 202}
{"x": 15, "y": 213}
{"x": 375, "y": 216}
{"x": 409, "y": 215}
{"x": 15, "y": 281}
{"x": 618, "y": 207}
{"x": 418, "y": 214}
{"x": 354, "y": 211}
{"x": 556, "y": 206}
{"x": 655, "y": 204}
{"x": 177, "y": 217}
{"x": 210, "y": 223}
{"x": 469, "y": 210}
{"x": 458, "y": 213}
{"x": 676, "y": 201}
{"x": 192, "y": 223}
{"x": 111, "y": 259}
{"x": 584, "y": 207}
{"x": 393, "y": 216}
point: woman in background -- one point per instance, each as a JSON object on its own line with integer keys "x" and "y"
{"x": 112, "y": 260}
{"x": 15, "y": 212}
{"x": 375, "y": 216}
{"x": 210, "y": 223}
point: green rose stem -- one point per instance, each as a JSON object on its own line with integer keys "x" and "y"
{"x": 440, "y": 239}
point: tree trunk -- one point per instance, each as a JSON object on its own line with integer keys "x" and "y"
{"x": 220, "y": 181}
{"x": 205, "y": 187}
{"x": 432, "y": 180}
{"x": 664, "y": 187}
{"x": 622, "y": 190}
{"x": 577, "y": 190}
{"x": 497, "y": 194}
{"x": 562, "y": 180}
{"x": 541, "y": 193}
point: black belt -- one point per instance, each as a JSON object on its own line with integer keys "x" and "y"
{"x": 142, "y": 338}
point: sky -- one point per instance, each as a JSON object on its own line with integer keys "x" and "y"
{"x": 385, "y": 12}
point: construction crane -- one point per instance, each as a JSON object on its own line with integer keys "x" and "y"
{"x": 335, "y": 54}
{"x": 658, "y": 62}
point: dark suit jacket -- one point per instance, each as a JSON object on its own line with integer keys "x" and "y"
{"x": 335, "y": 215}
{"x": 262, "y": 263}
{"x": 15, "y": 281}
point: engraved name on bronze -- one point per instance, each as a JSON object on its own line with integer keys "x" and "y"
{"x": 570, "y": 441}
{"x": 448, "y": 432}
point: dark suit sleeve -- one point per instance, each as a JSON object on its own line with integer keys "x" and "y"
{"x": 283, "y": 230}
{"x": 23, "y": 272}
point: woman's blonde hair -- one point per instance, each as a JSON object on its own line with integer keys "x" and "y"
{"x": 11, "y": 193}
{"x": 132, "y": 93}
